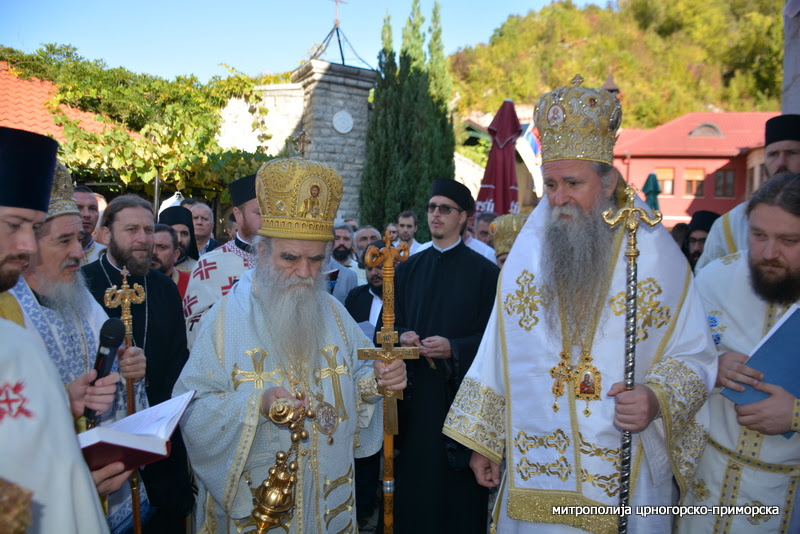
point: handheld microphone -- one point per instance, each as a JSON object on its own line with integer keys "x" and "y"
{"x": 111, "y": 335}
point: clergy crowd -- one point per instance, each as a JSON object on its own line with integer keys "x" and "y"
{"x": 519, "y": 413}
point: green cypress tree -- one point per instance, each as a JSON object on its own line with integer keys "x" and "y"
{"x": 382, "y": 135}
{"x": 411, "y": 139}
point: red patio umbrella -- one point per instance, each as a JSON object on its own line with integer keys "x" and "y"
{"x": 498, "y": 192}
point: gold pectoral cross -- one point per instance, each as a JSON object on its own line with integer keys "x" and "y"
{"x": 333, "y": 371}
{"x": 257, "y": 375}
{"x": 561, "y": 373}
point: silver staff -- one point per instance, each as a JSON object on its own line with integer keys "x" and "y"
{"x": 631, "y": 216}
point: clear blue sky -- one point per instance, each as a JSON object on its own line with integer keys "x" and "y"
{"x": 173, "y": 37}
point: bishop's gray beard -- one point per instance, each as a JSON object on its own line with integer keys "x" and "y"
{"x": 66, "y": 298}
{"x": 296, "y": 317}
{"x": 575, "y": 257}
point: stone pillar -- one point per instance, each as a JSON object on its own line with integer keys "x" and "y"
{"x": 335, "y": 118}
{"x": 791, "y": 63}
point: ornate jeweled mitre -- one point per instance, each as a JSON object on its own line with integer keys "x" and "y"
{"x": 298, "y": 199}
{"x": 61, "y": 201}
{"x": 505, "y": 229}
{"x": 578, "y": 123}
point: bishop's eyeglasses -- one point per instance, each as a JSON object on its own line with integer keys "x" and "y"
{"x": 444, "y": 209}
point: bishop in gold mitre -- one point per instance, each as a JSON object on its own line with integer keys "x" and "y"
{"x": 279, "y": 334}
{"x": 545, "y": 392}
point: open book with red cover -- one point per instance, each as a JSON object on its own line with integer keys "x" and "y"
{"x": 137, "y": 440}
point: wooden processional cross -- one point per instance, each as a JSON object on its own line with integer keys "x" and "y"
{"x": 123, "y": 298}
{"x": 387, "y": 338}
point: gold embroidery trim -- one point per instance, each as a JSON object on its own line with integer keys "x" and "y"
{"x": 525, "y": 301}
{"x": 560, "y": 468}
{"x": 537, "y": 506}
{"x": 683, "y": 432}
{"x": 477, "y": 414}
{"x": 607, "y": 454}
{"x": 757, "y": 519}
{"x": 700, "y": 490}
{"x": 329, "y": 352}
{"x": 331, "y": 485}
{"x": 608, "y": 483}
{"x": 649, "y": 311}
{"x": 348, "y": 528}
{"x": 730, "y": 258}
{"x": 346, "y": 506}
{"x": 726, "y": 227}
{"x": 728, "y": 494}
{"x": 782, "y": 469}
{"x": 249, "y": 425}
{"x": 788, "y": 505}
{"x": 257, "y": 375}
{"x": 558, "y": 440}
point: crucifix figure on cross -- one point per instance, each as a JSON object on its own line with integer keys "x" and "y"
{"x": 388, "y": 352}
{"x": 123, "y": 298}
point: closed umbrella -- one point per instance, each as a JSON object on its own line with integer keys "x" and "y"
{"x": 498, "y": 192}
{"x": 651, "y": 191}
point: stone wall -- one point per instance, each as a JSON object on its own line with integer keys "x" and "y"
{"x": 320, "y": 91}
{"x": 284, "y": 103}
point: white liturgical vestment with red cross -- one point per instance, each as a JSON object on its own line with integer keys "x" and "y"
{"x": 38, "y": 447}
{"x": 212, "y": 278}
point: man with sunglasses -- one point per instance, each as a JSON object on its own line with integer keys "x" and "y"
{"x": 443, "y": 301}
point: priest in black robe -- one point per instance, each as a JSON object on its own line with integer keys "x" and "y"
{"x": 443, "y": 300}
{"x": 158, "y": 329}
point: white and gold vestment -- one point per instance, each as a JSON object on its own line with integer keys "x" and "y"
{"x": 231, "y": 445}
{"x": 728, "y": 235}
{"x": 506, "y": 406}
{"x": 741, "y": 467}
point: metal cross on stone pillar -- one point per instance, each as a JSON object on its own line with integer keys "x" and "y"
{"x": 387, "y": 338}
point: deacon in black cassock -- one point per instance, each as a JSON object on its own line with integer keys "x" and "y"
{"x": 444, "y": 297}
{"x": 180, "y": 219}
{"x": 159, "y": 329}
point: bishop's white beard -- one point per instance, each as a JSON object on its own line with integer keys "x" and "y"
{"x": 296, "y": 317}
{"x": 575, "y": 257}
{"x": 66, "y": 298}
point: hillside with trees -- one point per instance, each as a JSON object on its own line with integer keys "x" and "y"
{"x": 668, "y": 58}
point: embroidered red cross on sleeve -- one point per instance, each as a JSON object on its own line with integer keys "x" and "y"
{"x": 12, "y": 402}
{"x": 204, "y": 268}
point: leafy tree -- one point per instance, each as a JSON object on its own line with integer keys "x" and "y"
{"x": 669, "y": 58}
{"x": 155, "y": 127}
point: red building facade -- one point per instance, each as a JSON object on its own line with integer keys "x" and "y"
{"x": 703, "y": 161}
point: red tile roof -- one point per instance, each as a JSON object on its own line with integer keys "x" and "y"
{"x": 738, "y": 132}
{"x": 22, "y": 105}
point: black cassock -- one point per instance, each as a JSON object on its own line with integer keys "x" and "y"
{"x": 161, "y": 316}
{"x": 448, "y": 294}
